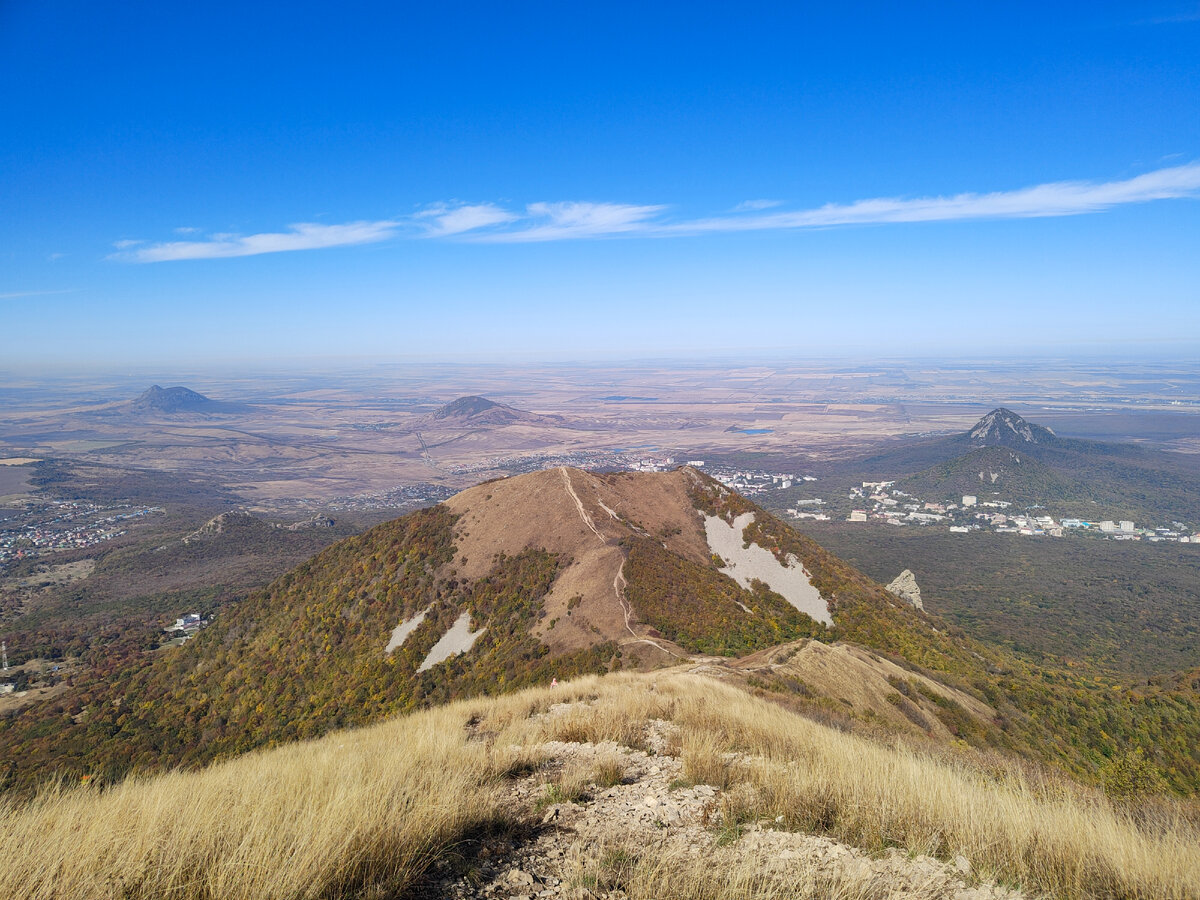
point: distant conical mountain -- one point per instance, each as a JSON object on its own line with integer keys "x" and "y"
{"x": 171, "y": 400}
{"x": 178, "y": 401}
{"x": 469, "y": 407}
{"x": 1004, "y": 428}
{"x": 475, "y": 410}
{"x": 1006, "y": 456}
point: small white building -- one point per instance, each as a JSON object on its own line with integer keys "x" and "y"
{"x": 969, "y": 500}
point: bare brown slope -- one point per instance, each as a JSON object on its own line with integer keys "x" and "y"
{"x": 583, "y": 518}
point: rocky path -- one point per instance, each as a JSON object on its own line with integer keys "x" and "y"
{"x": 583, "y": 837}
{"x": 619, "y": 578}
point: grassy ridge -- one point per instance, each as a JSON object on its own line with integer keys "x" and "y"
{"x": 364, "y": 813}
{"x": 306, "y": 656}
{"x": 366, "y": 809}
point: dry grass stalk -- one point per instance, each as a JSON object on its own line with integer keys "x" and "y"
{"x": 703, "y": 759}
{"x": 609, "y": 770}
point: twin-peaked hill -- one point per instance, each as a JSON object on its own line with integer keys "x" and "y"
{"x": 548, "y": 575}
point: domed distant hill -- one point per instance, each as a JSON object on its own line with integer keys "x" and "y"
{"x": 474, "y": 410}
{"x": 179, "y": 400}
{"x": 173, "y": 399}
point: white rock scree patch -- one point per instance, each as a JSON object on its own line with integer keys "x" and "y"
{"x": 401, "y": 632}
{"x": 744, "y": 564}
{"x": 459, "y": 639}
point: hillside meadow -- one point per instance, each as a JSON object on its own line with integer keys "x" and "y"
{"x": 366, "y": 812}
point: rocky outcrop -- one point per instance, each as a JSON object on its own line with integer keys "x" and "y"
{"x": 906, "y": 588}
{"x": 224, "y": 523}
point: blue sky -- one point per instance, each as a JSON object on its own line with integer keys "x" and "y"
{"x": 259, "y": 181}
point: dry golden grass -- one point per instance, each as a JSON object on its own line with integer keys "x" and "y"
{"x": 703, "y": 759}
{"x": 363, "y": 809}
{"x": 1047, "y": 834}
{"x": 571, "y": 784}
{"x": 619, "y": 717}
{"x": 653, "y": 873}
{"x": 363, "y": 813}
{"x": 608, "y": 771}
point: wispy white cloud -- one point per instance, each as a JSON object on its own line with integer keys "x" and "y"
{"x": 302, "y": 236}
{"x": 1061, "y": 198}
{"x": 560, "y": 221}
{"x": 565, "y": 221}
{"x": 755, "y": 205}
{"x": 491, "y": 223}
{"x": 443, "y": 220}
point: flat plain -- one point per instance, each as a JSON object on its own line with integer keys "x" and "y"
{"x": 340, "y": 432}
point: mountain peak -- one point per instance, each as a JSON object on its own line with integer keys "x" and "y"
{"x": 466, "y": 407}
{"x": 474, "y": 410}
{"x": 173, "y": 399}
{"x": 1003, "y": 427}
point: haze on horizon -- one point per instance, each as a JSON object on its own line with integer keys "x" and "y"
{"x": 599, "y": 182}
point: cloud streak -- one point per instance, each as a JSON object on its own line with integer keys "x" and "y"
{"x": 568, "y": 221}
{"x": 1187, "y": 16}
{"x": 1062, "y": 198}
{"x": 14, "y": 295}
{"x": 756, "y": 205}
{"x": 576, "y": 220}
{"x": 559, "y": 221}
{"x": 443, "y": 220}
{"x": 302, "y": 236}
